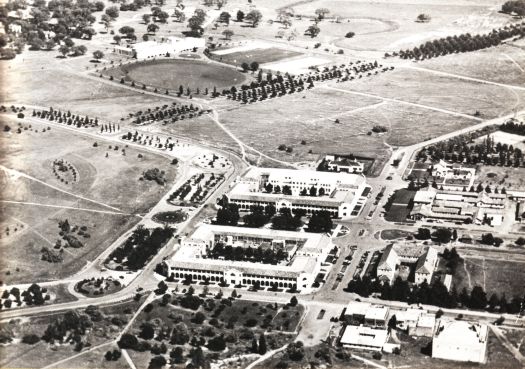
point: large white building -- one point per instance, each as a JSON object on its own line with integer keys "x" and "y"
{"x": 151, "y": 49}
{"x": 307, "y": 253}
{"x": 460, "y": 341}
{"x": 364, "y": 338}
{"x": 454, "y": 206}
{"x": 341, "y": 194}
{"x": 425, "y": 259}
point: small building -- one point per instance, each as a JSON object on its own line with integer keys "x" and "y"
{"x": 355, "y": 312}
{"x": 406, "y": 319}
{"x": 460, "y": 341}
{"x": 365, "y": 338}
{"x": 425, "y": 325}
{"x": 377, "y": 316}
{"x": 346, "y": 164}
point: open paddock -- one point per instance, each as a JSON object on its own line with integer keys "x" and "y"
{"x": 377, "y": 29}
{"x": 508, "y": 177}
{"x": 517, "y": 141}
{"x": 111, "y": 180}
{"x": 41, "y": 230}
{"x": 309, "y": 117}
{"x": 450, "y": 94}
{"x": 502, "y": 64}
{"x": 297, "y": 65}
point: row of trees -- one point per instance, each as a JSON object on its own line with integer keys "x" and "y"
{"x": 514, "y": 127}
{"x": 167, "y": 113}
{"x": 149, "y": 140}
{"x": 435, "y": 294}
{"x": 462, "y": 43}
{"x": 66, "y": 117}
{"x": 34, "y": 295}
{"x": 514, "y": 7}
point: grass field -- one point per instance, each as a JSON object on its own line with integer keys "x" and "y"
{"x": 441, "y": 92}
{"x": 111, "y": 183}
{"x": 495, "y": 276}
{"x": 394, "y": 234}
{"x": 510, "y": 178}
{"x": 260, "y": 56}
{"x": 171, "y": 74}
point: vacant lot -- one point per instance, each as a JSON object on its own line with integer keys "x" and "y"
{"x": 441, "y": 92}
{"x": 502, "y": 64}
{"x": 34, "y": 208}
{"x": 495, "y": 276}
{"x": 510, "y": 178}
{"x": 260, "y": 56}
{"x": 170, "y": 74}
{"x": 377, "y": 29}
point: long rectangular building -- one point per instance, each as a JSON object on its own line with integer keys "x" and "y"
{"x": 343, "y": 195}
{"x": 306, "y": 255}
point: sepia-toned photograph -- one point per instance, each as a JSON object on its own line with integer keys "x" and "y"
{"x": 262, "y": 184}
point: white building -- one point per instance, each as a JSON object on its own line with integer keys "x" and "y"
{"x": 406, "y": 319}
{"x": 151, "y": 49}
{"x": 306, "y": 255}
{"x": 355, "y": 312}
{"x": 341, "y": 194}
{"x": 453, "y": 177}
{"x": 454, "y": 206}
{"x": 344, "y": 164}
{"x": 425, "y": 259}
{"x": 424, "y": 326}
{"x": 460, "y": 341}
{"x": 364, "y": 338}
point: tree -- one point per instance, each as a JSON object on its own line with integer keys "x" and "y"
{"x": 423, "y": 234}
{"x": 97, "y": 54}
{"x": 254, "y": 66}
{"x": 254, "y": 17}
{"x": 293, "y": 301}
{"x": 313, "y": 30}
{"x": 157, "y": 362}
{"x": 36, "y": 44}
{"x": 423, "y": 18}
{"x": 117, "y": 39}
{"x": 225, "y": 17}
{"x": 245, "y": 66}
{"x": 112, "y": 12}
{"x": 442, "y": 235}
{"x": 255, "y": 346}
{"x": 227, "y": 33}
{"x": 392, "y": 323}
{"x": 320, "y": 222}
{"x": 478, "y": 298}
{"x": 177, "y": 355}
{"x": 63, "y": 49}
{"x": 147, "y": 332}
{"x": 321, "y": 13}
{"x": 152, "y": 28}
{"x": 240, "y": 16}
{"x": 216, "y": 343}
{"x": 487, "y": 239}
{"x": 146, "y": 18}
{"x": 262, "y": 344}
{"x": 128, "y": 341}
{"x": 127, "y": 30}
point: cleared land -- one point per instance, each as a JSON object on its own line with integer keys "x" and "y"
{"x": 260, "y": 56}
{"x": 112, "y": 184}
{"x": 495, "y": 276}
{"x": 510, "y": 178}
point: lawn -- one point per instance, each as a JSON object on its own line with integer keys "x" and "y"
{"x": 399, "y": 206}
{"x": 394, "y": 234}
{"x": 261, "y": 56}
{"x": 508, "y": 177}
{"x": 495, "y": 276}
{"x": 170, "y": 74}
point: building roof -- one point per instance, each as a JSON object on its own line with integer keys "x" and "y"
{"x": 357, "y": 308}
{"x": 377, "y": 313}
{"x": 364, "y": 336}
{"x": 238, "y": 193}
{"x": 426, "y": 320}
{"x": 427, "y": 261}
{"x": 388, "y": 260}
{"x": 408, "y": 315}
{"x": 461, "y": 334}
{"x": 426, "y": 196}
